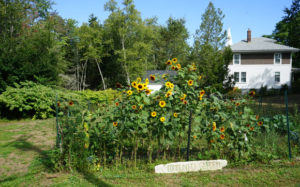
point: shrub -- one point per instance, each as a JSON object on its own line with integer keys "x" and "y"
{"x": 29, "y": 99}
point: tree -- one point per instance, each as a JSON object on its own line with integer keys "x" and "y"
{"x": 130, "y": 37}
{"x": 29, "y": 46}
{"x": 208, "y": 51}
{"x": 287, "y": 31}
{"x": 171, "y": 42}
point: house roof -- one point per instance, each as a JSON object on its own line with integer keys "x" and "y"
{"x": 261, "y": 44}
{"x": 159, "y": 73}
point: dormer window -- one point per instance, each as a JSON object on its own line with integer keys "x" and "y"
{"x": 236, "y": 59}
{"x": 277, "y": 58}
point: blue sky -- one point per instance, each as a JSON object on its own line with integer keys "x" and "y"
{"x": 260, "y": 16}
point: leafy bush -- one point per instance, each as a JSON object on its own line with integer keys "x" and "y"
{"x": 29, "y": 99}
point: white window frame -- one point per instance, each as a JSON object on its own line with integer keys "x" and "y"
{"x": 279, "y": 58}
{"x": 277, "y": 82}
{"x": 245, "y": 77}
{"x": 233, "y": 59}
{"x": 238, "y": 77}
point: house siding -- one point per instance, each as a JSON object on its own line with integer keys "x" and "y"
{"x": 286, "y": 58}
{"x": 262, "y": 58}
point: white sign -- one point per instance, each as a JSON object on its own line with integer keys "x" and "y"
{"x": 204, "y": 165}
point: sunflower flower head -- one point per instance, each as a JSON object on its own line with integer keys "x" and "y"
{"x": 222, "y": 129}
{"x": 202, "y": 92}
{"x": 252, "y": 93}
{"x": 140, "y": 87}
{"x": 222, "y": 136}
{"x": 174, "y": 60}
{"x": 133, "y": 107}
{"x": 153, "y": 114}
{"x": 115, "y": 124}
{"x": 168, "y": 94}
{"x": 152, "y": 77}
{"x": 134, "y": 84}
{"x": 148, "y": 91}
{"x": 178, "y": 66}
{"x": 129, "y": 92}
{"x": 260, "y": 123}
{"x": 175, "y": 115}
{"x": 214, "y": 126}
{"x": 190, "y": 82}
{"x": 138, "y": 80}
{"x": 162, "y": 119}
{"x": 167, "y": 84}
{"x": 169, "y": 62}
{"x": 162, "y": 104}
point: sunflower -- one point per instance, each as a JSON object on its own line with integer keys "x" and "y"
{"x": 222, "y": 129}
{"x": 173, "y": 67}
{"x": 153, "y": 114}
{"x": 71, "y": 103}
{"x": 168, "y": 93}
{"x": 129, "y": 92}
{"x": 178, "y": 66}
{"x": 140, "y": 87}
{"x": 167, "y": 84}
{"x": 237, "y": 104}
{"x": 222, "y": 136}
{"x": 162, "y": 119}
{"x": 184, "y": 96}
{"x": 212, "y": 141}
{"x": 171, "y": 85}
{"x": 146, "y": 81}
{"x": 152, "y": 77}
{"x": 115, "y": 124}
{"x": 190, "y": 82}
{"x": 174, "y": 60}
{"x": 162, "y": 104}
{"x": 260, "y": 123}
{"x": 202, "y": 92}
{"x": 214, "y": 126}
{"x": 251, "y": 128}
{"x": 194, "y": 136}
{"x": 134, "y": 84}
{"x": 252, "y": 93}
{"x": 169, "y": 62}
{"x": 148, "y": 91}
{"x": 175, "y": 115}
{"x": 138, "y": 79}
{"x": 185, "y": 102}
{"x": 117, "y": 103}
{"x": 181, "y": 99}
{"x": 164, "y": 76}
{"x": 133, "y": 107}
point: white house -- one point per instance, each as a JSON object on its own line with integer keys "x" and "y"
{"x": 261, "y": 62}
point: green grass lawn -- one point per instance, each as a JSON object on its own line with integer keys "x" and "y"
{"x": 23, "y": 162}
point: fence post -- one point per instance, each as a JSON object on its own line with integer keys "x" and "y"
{"x": 189, "y": 137}
{"x": 57, "y": 134}
{"x": 287, "y": 122}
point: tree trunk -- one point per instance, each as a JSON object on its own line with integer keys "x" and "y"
{"x": 103, "y": 82}
{"x": 124, "y": 63}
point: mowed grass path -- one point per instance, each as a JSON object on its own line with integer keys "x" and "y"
{"x": 24, "y": 151}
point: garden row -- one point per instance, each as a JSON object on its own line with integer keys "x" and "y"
{"x": 139, "y": 126}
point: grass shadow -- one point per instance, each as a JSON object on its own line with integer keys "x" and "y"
{"x": 45, "y": 160}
